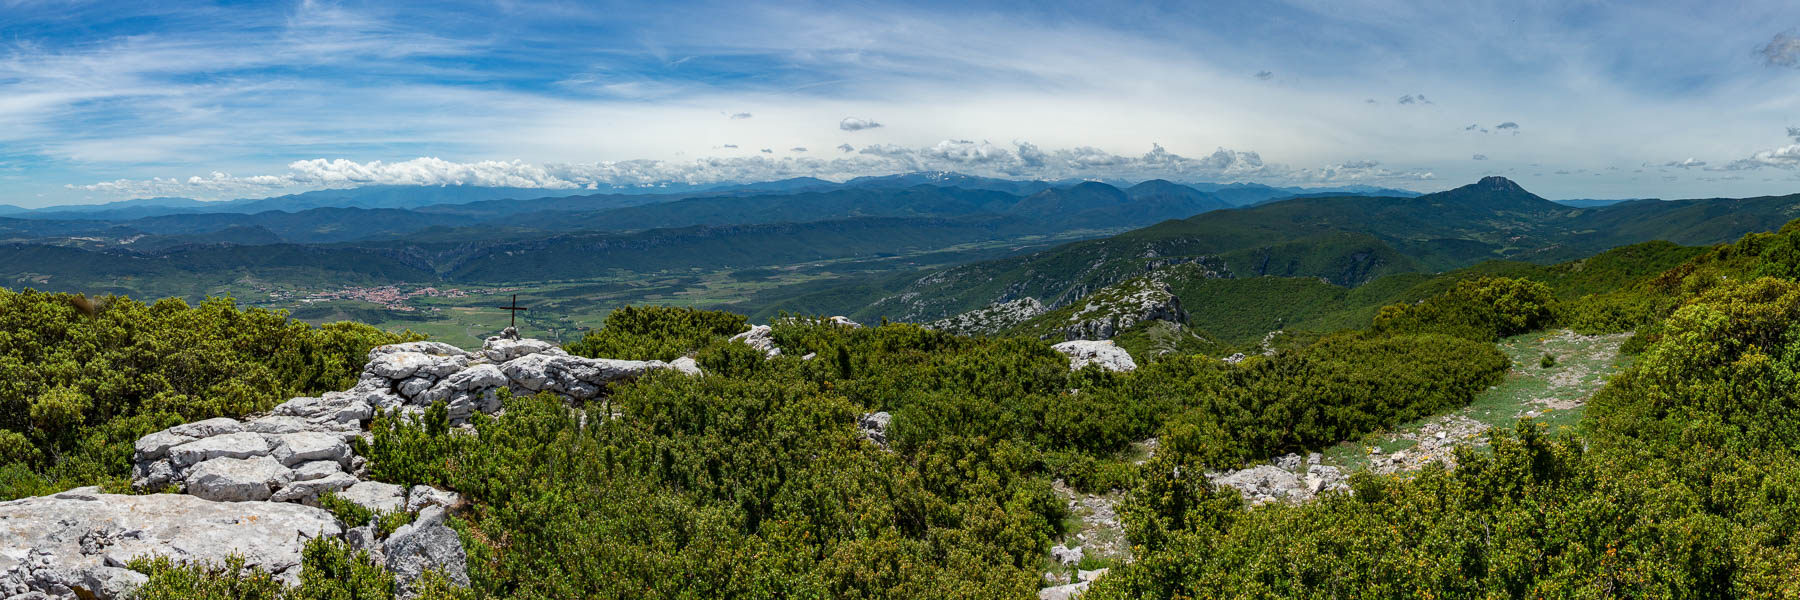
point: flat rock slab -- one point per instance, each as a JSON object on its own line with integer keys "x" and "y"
{"x": 83, "y": 531}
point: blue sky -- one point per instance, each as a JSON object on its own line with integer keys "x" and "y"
{"x": 105, "y": 101}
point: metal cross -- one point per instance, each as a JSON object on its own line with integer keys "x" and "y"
{"x": 515, "y": 308}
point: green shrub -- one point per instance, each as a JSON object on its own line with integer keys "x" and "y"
{"x": 1483, "y": 309}
{"x": 656, "y": 333}
{"x": 81, "y": 378}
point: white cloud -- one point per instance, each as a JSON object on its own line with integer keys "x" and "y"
{"x": 857, "y": 124}
{"x": 1479, "y": 157}
{"x": 1782, "y": 51}
{"x": 1019, "y": 160}
{"x": 740, "y": 116}
{"x": 846, "y": 147}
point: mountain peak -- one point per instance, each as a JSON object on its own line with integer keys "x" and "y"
{"x": 1495, "y": 183}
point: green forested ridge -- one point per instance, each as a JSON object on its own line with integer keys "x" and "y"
{"x": 753, "y": 481}
{"x": 1345, "y": 240}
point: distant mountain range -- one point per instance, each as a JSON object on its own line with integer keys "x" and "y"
{"x": 1344, "y": 240}
{"x": 916, "y": 246}
{"x": 408, "y": 197}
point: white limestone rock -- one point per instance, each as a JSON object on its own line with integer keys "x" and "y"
{"x": 231, "y": 445}
{"x": 687, "y": 365}
{"x": 1103, "y": 353}
{"x": 422, "y": 496}
{"x": 79, "y": 535}
{"x": 237, "y": 479}
{"x": 1064, "y": 592}
{"x": 376, "y": 496}
{"x": 428, "y": 348}
{"x": 156, "y": 445}
{"x": 573, "y": 376}
{"x": 397, "y": 365}
{"x": 874, "y": 427}
{"x": 307, "y": 491}
{"x": 426, "y": 544}
{"x": 760, "y": 337}
{"x": 294, "y": 448}
{"x": 208, "y": 428}
{"x": 1066, "y": 556}
{"x": 500, "y": 349}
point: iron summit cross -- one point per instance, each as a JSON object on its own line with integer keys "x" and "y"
{"x": 515, "y": 308}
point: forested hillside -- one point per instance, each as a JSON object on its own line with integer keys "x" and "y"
{"x": 765, "y": 478}
{"x": 1346, "y": 241}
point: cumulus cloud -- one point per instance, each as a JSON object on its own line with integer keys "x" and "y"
{"x": 1016, "y": 159}
{"x": 1685, "y": 164}
{"x": 797, "y": 149}
{"x": 738, "y": 116}
{"x": 1782, "y": 51}
{"x": 857, "y": 124}
{"x": 1265, "y": 75}
{"x": 1478, "y": 157}
{"x": 1413, "y": 99}
{"x": 732, "y": 146}
{"x": 1785, "y": 157}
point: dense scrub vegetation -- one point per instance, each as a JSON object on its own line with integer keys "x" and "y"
{"x": 81, "y": 378}
{"x": 1684, "y": 484}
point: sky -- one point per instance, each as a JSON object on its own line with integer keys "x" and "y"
{"x": 105, "y": 101}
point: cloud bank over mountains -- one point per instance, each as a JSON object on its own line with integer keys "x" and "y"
{"x": 1019, "y": 160}
{"x": 166, "y": 98}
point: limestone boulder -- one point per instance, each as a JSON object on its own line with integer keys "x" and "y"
{"x": 1103, "y": 353}
{"x": 421, "y": 497}
{"x": 291, "y": 449}
{"x": 424, "y": 545}
{"x": 760, "y": 337}
{"x": 237, "y": 479}
{"x": 501, "y": 349}
{"x": 376, "y": 496}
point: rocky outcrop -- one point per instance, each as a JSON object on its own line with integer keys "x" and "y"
{"x": 1104, "y": 353}
{"x": 77, "y": 543}
{"x": 1106, "y": 313}
{"x": 301, "y": 449}
{"x": 1286, "y": 479}
{"x": 252, "y": 486}
{"x": 991, "y": 319}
